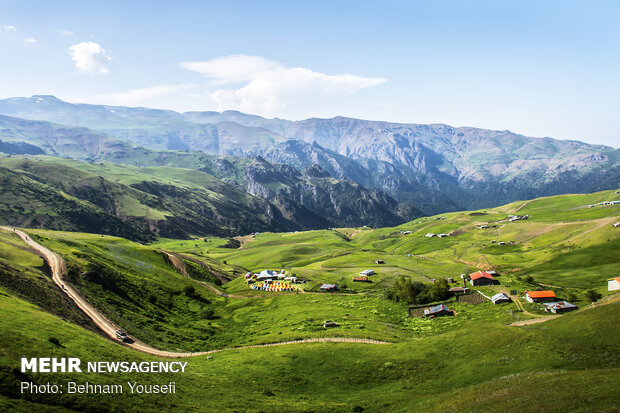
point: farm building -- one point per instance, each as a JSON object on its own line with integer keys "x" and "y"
{"x": 560, "y": 307}
{"x": 459, "y": 290}
{"x": 437, "y": 311}
{"x": 617, "y": 224}
{"x": 329, "y": 287}
{"x": 481, "y": 278}
{"x": 360, "y": 279}
{"x": 379, "y": 262}
{"x": 500, "y": 298}
{"x": 442, "y": 235}
{"x": 367, "y": 272}
{"x": 613, "y": 284}
{"x": 539, "y": 296}
{"x": 430, "y": 235}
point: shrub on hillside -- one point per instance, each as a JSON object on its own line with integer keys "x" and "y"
{"x": 415, "y": 292}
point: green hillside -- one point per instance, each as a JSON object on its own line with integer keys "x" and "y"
{"x": 566, "y": 364}
{"x": 176, "y": 295}
{"x": 564, "y": 245}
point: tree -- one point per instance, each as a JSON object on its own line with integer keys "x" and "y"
{"x": 593, "y": 295}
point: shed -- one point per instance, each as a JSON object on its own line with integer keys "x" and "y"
{"x": 539, "y": 296}
{"x": 481, "y": 278}
{"x": 459, "y": 290}
{"x": 560, "y": 307}
{"x": 329, "y": 287}
{"x": 613, "y": 284}
{"x": 437, "y": 311}
{"x": 367, "y": 272}
{"x": 500, "y": 298}
{"x": 327, "y": 324}
{"x": 379, "y": 262}
{"x": 360, "y": 278}
{"x": 430, "y": 235}
{"x": 442, "y": 235}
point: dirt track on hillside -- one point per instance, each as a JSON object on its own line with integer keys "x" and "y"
{"x": 59, "y": 270}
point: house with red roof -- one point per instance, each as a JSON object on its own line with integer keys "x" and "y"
{"x": 613, "y": 284}
{"x": 481, "y": 278}
{"x": 540, "y": 296}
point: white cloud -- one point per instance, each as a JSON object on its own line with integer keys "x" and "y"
{"x": 66, "y": 33}
{"x": 268, "y": 87}
{"x": 233, "y": 68}
{"x": 90, "y": 57}
{"x": 136, "y": 96}
{"x": 30, "y": 40}
{"x": 8, "y": 28}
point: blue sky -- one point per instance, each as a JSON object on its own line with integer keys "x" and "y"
{"x": 541, "y": 68}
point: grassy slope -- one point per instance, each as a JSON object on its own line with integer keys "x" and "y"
{"x": 77, "y": 196}
{"x": 565, "y": 364}
{"x": 563, "y": 244}
{"x": 469, "y": 362}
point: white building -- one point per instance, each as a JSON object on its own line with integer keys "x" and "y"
{"x": 613, "y": 284}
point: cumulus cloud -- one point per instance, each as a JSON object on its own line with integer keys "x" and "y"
{"x": 90, "y": 57}
{"x": 30, "y": 40}
{"x": 8, "y": 28}
{"x": 136, "y": 96}
{"x": 259, "y": 85}
{"x": 66, "y": 33}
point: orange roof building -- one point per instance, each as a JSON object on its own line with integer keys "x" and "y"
{"x": 540, "y": 296}
{"x": 613, "y": 284}
{"x": 481, "y": 278}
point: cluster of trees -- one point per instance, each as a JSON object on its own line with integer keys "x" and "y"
{"x": 415, "y": 292}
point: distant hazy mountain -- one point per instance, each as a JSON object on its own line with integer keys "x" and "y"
{"x": 433, "y": 167}
{"x": 276, "y": 197}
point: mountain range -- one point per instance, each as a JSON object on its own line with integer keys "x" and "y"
{"x": 338, "y": 171}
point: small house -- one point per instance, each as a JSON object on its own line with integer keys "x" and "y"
{"x": 539, "y": 296}
{"x": 459, "y": 290}
{"x": 617, "y": 224}
{"x": 430, "y": 235}
{"x": 613, "y": 284}
{"x": 500, "y": 298}
{"x": 560, "y": 307}
{"x": 442, "y": 235}
{"x": 437, "y": 311}
{"x": 328, "y": 324}
{"x": 481, "y": 278}
{"x": 379, "y": 262}
{"x": 360, "y": 279}
{"x": 328, "y": 287}
{"x": 367, "y": 272}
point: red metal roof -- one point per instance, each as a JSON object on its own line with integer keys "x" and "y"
{"x": 541, "y": 294}
{"x": 481, "y": 274}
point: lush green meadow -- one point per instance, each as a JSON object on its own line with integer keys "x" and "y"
{"x": 570, "y": 363}
{"x": 474, "y": 361}
{"x": 563, "y": 244}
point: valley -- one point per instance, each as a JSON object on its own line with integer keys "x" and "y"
{"x": 191, "y": 297}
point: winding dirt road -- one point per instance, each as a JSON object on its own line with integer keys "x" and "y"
{"x": 59, "y": 270}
